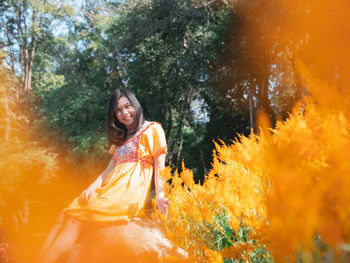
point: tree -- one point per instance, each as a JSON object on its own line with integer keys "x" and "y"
{"x": 24, "y": 162}
{"x": 167, "y": 48}
{"x": 161, "y": 50}
{"x": 25, "y": 24}
{"x": 258, "y": 58}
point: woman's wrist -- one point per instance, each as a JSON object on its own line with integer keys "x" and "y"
{"x": 95, "y": 185}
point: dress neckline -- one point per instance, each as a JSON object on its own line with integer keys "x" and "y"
{"x": 140, "y": 131}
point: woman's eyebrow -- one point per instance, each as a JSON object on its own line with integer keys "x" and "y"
{"x": 125, "y": 104}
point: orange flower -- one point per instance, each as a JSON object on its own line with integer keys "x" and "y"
{"x": 213, "y": 256}
{"x": 187, "y": 175}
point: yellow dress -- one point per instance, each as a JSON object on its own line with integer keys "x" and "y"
{"x": 124, "y": 192}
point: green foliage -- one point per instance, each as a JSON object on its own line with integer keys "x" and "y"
{"x": 261, "y": 255}
{"x": 168, "y": 48}
{"x": 28, "y": 26}
{"x": 173, "y": 54}
{"x": 161, "y": 50}
{"x": 225, "y": 237}
{"x": 25, "y": 164}
{"x": 23, "y": 161}
{"x": 321, "y": 252}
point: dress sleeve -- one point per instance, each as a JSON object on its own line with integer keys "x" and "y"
{"x": 158, "y": 142}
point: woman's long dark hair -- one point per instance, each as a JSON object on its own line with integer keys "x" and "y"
{"x": 116, "y": 131}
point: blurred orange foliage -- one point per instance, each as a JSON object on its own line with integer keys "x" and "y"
{"x": 288, "y": 185}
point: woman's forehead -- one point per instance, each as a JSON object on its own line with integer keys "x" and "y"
{"x": 123, "y": 101}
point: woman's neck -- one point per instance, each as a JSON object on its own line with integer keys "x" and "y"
{"x": 128, "y": 136}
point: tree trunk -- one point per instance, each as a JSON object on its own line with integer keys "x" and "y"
{"x": 170, "y": 125}
{"x": 21, "y": 45}
{"x": 7, "y": 112}
{"x": 301, "y": 91}
{"x": 251, "y": 115}
{"x": 27, "y": 51}
{"x": 264, "y": 106}
{"x": 168, "y": 134}
{"x": 30, "y": 59}
{"x": 180, "y": 146}
{"x": 201, "y": 155}
{"x": 179, "y": 134}
{"x": 26, "y": 72}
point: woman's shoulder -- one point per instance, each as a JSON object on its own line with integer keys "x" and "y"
{"x": 148, "y": 124}
{"x": 152, "y": 126}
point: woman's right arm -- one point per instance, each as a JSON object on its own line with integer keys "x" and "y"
{"x": 89, "y": 192}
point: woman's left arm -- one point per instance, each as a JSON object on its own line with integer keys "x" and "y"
{"x": 162, "y": 201}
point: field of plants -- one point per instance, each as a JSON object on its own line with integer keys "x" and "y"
{"x": 278, "y": 196}
{"x": 254, "y": 98}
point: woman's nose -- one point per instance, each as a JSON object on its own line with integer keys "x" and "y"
{"x": 124, "y": 111}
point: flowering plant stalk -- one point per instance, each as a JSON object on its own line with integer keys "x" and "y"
{"x": 287, "y": 186}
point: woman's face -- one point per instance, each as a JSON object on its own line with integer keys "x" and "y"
{"x": 125, "y": 112}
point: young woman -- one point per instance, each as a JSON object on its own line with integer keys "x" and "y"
{"x": 119, "y": 193}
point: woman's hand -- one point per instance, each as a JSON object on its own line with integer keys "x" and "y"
{"x": 162, "y": 203}
{"x": 88, "y": 194}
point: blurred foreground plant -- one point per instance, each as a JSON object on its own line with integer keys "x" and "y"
{"x": 278, "y": 189}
